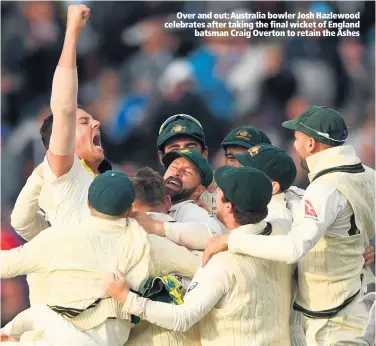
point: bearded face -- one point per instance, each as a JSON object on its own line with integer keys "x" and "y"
{"x": 182, "y": 180}
{"x": 176, "y": 190}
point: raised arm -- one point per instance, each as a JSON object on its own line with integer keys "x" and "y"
{"x": 64, "y": 95}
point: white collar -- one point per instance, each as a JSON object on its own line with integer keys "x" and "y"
{"x": 179, "y": 205}
{"x": 253, "y": 229}
{"x": 107, "y": 225}
{"x": 329, "y": 158}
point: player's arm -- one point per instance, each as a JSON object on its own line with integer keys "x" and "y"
{"x": 60, "y": 155}
{"x": 318, "y": 211}
{"x": 20, "y": 324}
{"x": 34, "y": 256}
{"x": 25, "y": 218}
{"x": 193, "y": 227}
{"x": 208, "y": 286}
{"x": 168, "y": 257}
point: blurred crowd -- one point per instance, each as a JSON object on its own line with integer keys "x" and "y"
{"x": 134, "y": 73}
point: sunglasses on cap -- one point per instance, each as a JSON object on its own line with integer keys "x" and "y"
{"x": 179, "y": 116}
{"x": 326, "y": 135}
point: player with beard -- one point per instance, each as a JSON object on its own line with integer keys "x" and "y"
{"x": 188, "y": 174}
{"x": 184, "y": 131}
{"x": 237, "y": 300}
{"x": 329, "y": 234}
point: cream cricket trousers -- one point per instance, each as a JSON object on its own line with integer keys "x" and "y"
{"x": 55, "y": 331}
{"x": 354, "y": 325}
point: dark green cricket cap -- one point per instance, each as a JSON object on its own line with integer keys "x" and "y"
{"x": 179, "y": 125}
{"x": 323, "y": 124}
{"x": 111, "y": 193}
{"x": 193, "y": 156}
{"x": 247, "y": 188}
{"x": 271, "y": 160}
{"x": 246, "y": 137}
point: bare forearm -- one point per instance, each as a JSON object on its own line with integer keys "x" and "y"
{"x": 68, "y": 57}
{"x": 64, "y": 106}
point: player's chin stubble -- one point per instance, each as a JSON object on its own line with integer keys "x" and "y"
{"x": 182, "y": 195}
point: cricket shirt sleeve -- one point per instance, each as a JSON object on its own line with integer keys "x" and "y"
{"x": 25, "y": 218}
{"x": 168, "y": 257}
{"x": 208, "y": 286}
{"x": 316, "y": 213}
{"x": 193, "y": 227}
{"x": 34, "y": 256}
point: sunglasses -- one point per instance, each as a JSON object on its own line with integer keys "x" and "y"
{"x": 178, "y": 116}
{"x": 326, "y": 135}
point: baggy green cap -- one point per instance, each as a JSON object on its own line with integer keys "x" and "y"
{"x": 193, "y": 156}
{"x": 111, "y": 193}
{"x": 246, "y": 137}
{"x": 178, "y": 125}
{"x": 323, "y": 124}
{"x": 273, "y": 161}
{"x": 247, "y": 188}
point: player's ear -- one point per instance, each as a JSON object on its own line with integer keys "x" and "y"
{"x": 205, "y": 153}
{"x": 229, "y": 208}
{"x": 129, "y": 212}
{"x": 200, "y": 190}
{"x": 89, "y": 205}
{"x": 276, "y": 187}
{"x": 160, "y": 155}
{"x": 311, "y": 145}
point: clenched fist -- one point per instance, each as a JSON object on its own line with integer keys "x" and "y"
{"x": 77, "y": 17}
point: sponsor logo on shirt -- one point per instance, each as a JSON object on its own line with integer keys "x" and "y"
{"x": 309, "y": 210}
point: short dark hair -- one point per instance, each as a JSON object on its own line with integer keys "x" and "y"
{"x": 46, "y": 129}
{"x": 149, "y": 186}
{"x": 247, "y": 217}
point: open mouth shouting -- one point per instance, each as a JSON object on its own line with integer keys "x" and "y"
{"x": 174, "y": 184}
{"x": 97, "y": 141}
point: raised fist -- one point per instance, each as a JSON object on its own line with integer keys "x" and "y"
{"x": 77, "y": 17}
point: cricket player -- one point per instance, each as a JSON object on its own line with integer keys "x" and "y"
{"x": 74, "y": 144}
{"x": 188, "y": 174}
{"x": 240, "y": 139}
{"x": 328, "y": 236}
{"x": 151, "y": 197}
{"x": 184, "y": 131}
{"x": 280, "y": 168}
{"x": 81, "y": 255}
{"x": 238, "y": 300}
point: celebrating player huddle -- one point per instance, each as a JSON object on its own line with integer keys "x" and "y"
{"x": 238, "y": 256}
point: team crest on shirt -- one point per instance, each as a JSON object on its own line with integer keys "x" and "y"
{"x": 253, "y": 151}
{"x": 309, "y": 210}
{"x": 178, "y": 128}
{"x": 243, "y": 134}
